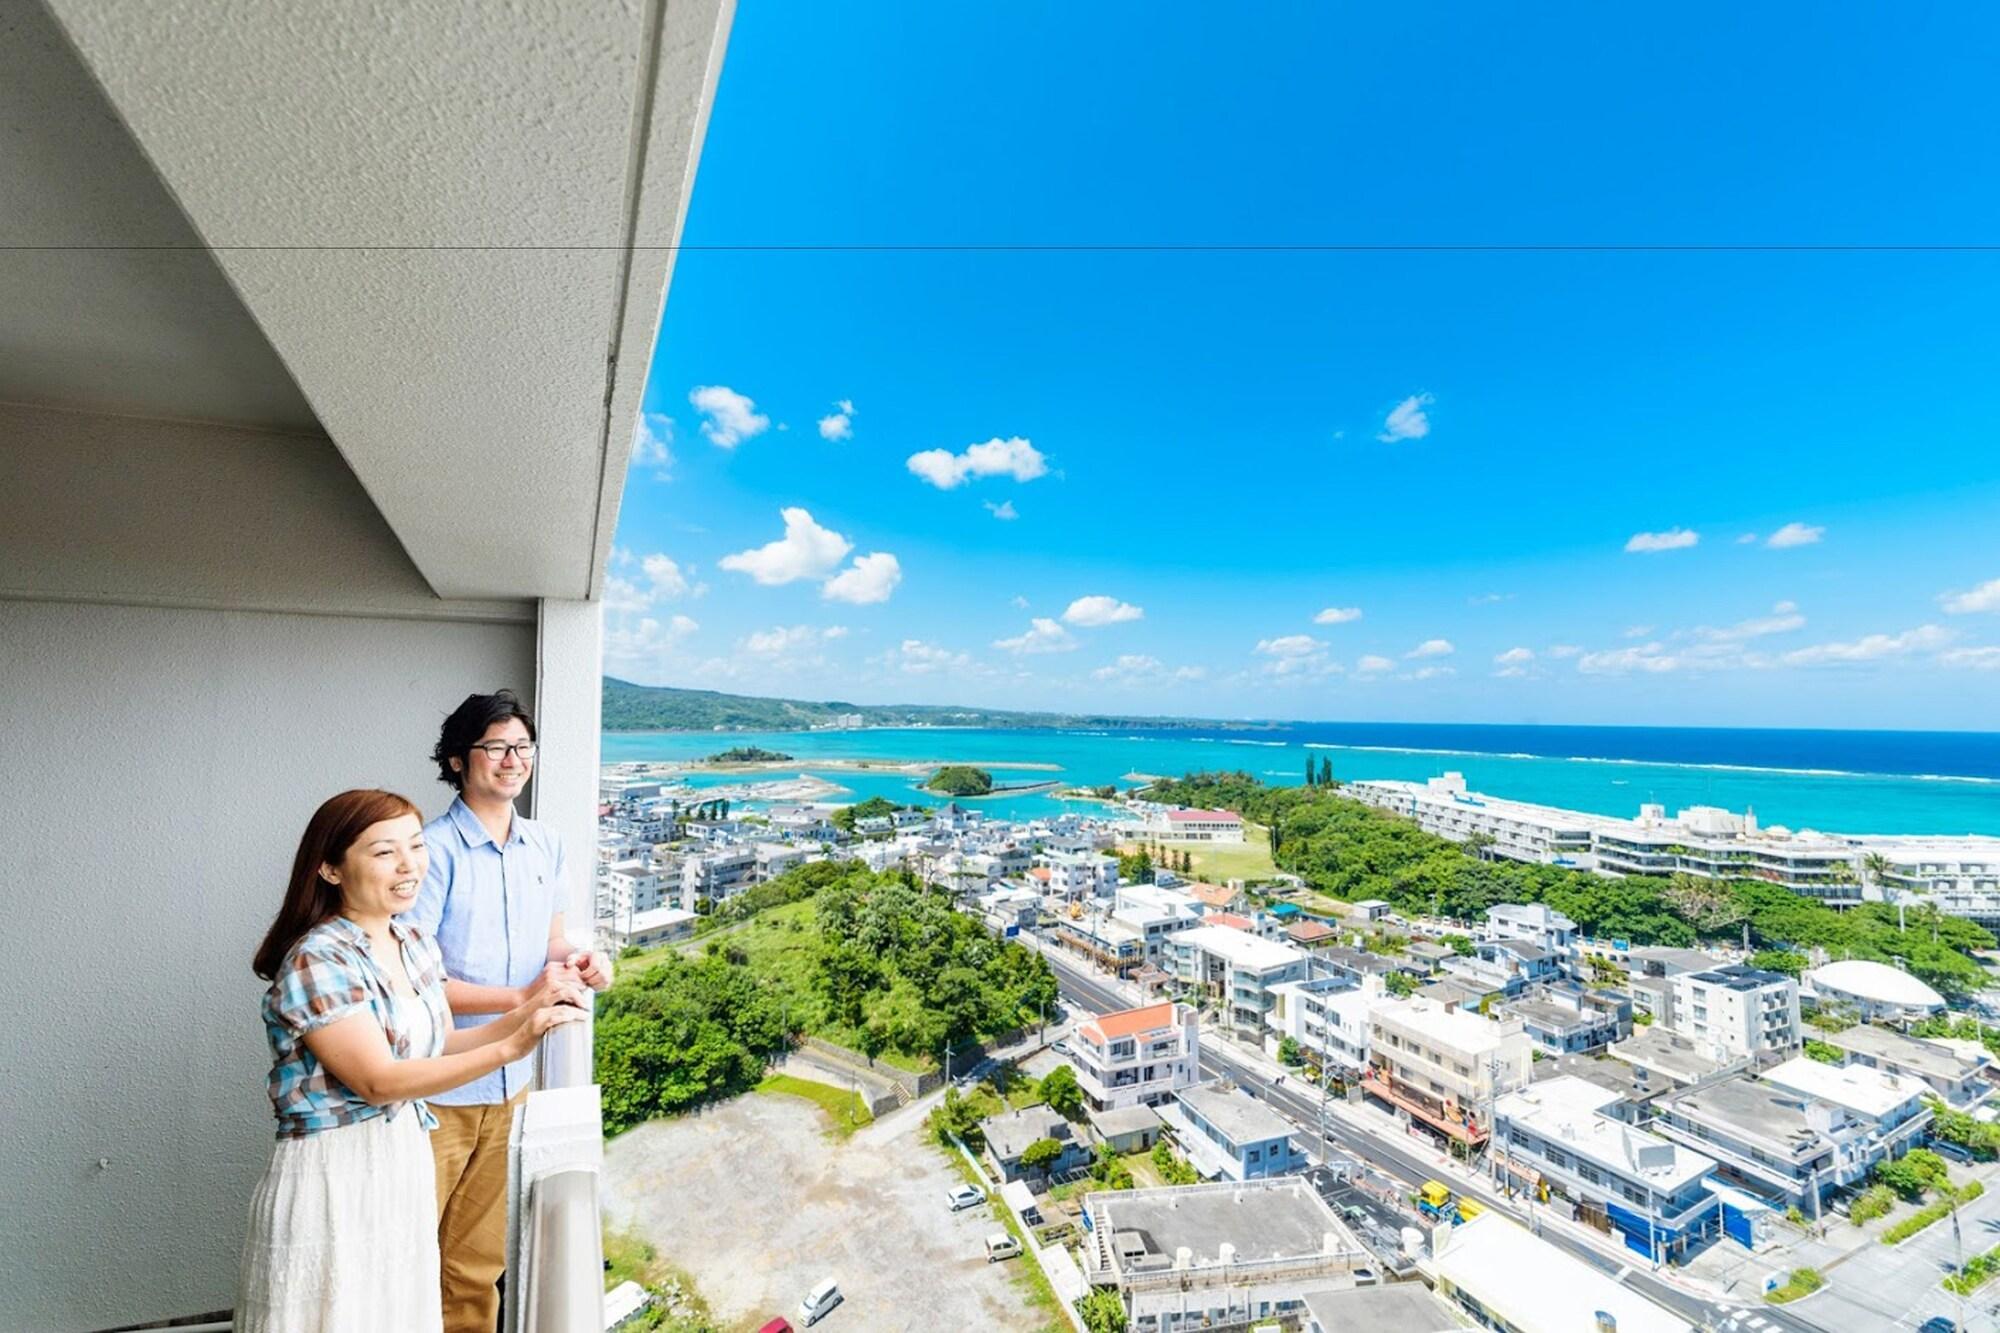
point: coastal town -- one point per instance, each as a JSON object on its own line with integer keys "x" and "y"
{"x": 1260, "y": 1105}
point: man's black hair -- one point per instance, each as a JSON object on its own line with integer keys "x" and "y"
{"x": 467, "y": 723}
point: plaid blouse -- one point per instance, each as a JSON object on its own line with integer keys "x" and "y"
{"x": 328, "y": 975}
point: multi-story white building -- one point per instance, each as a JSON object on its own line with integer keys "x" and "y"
{"x": 775, "y": 858}
{"x": 1652, "y": 1190}
{"x": 1533, "y": 923}
{"x": 1174, "y": 825}
{"x": 632, "y": 887}
{"x": 1329, "y": 1017}
{"x": 1736, "y": 1011}
{"x": 1154, "y": 913}
{"x": 1137, "y": 1057}
{"x": 718, "y": 874}
{"x": 1444, "y": 1067}
{"x": 1237, "y": 968}
{"x": 1075, "y": 875}
{"x": 1961, "y": 875}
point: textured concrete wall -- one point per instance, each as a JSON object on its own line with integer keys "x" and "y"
{"x": 160, "y": 765}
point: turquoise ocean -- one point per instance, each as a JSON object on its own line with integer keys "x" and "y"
{"x": 1836, "y": 781}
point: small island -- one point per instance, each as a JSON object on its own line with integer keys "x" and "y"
{"x": 748, "y": 754}
{"x": 960, "y": 780}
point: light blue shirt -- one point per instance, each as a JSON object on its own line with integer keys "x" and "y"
{"x": 490, "y": 909}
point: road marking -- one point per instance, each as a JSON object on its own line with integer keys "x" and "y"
{"x": 1623, "y": 1273}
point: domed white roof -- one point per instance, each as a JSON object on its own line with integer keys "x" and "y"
{"x": 1875, "y": 982}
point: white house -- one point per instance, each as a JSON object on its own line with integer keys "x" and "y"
{"x": 1177, "y": 825}
{"x": 1137, "y": 1057}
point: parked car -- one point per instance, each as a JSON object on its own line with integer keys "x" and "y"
{"x": 1000, "y": 1246}
{"x": 1060, "y": 1046}
{"x": 1937, "y": 1323}
{"x": 1951, "y": 1151}
{"x": 965, "y": 1196}
{"x": 778, "y": 1325}
{"x": 819, "y": 1301}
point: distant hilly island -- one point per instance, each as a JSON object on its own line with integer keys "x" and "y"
{"x": 629, "y": 707}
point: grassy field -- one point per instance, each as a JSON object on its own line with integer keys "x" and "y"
{"x": 1251, "y": 861}
{"x": 845, "y": 1111}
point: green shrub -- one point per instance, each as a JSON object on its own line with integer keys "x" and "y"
{"x": 1917, "y": 1221}
{"x": 1802, "y": 1282}
{"x": 1874, "y": 1202}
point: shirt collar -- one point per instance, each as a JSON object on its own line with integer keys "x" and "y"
{"x": 475, "y": 832}
{"x": 354, "y": 934}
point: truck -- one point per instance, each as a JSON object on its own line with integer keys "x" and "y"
{"x": 1435, "y": 1201}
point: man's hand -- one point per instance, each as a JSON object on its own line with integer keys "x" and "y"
{"x": 555, "y": 975}
{"x": 594, "y": 966}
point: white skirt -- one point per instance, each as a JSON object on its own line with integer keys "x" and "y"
{"x": 343, "y": 1234}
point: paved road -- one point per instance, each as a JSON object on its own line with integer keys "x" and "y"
{"x": 1300, "y": 1103}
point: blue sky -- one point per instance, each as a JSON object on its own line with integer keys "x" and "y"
{"x": 1139, "y": 479}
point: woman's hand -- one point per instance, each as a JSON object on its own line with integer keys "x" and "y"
{"x": 563, "y": 1002}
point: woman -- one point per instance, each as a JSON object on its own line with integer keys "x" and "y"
{"x": 343, "y": 1227}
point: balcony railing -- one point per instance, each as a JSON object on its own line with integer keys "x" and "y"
{"x": 555, "y": 1238}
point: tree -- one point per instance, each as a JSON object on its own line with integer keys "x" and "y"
{"x": 1400, "y": 984}
{"x": 1041, "y": 1154}
{"x": 1705, "y": 904}
{"x": 1109, "y": 1170}
{"x": 1135, "y": 868}
{"x": 1312, "y": 772}
{"x": 1461, "y": 945}
{"x": 1779, "y": 960}
{"x": 960, "y": 780}
{"x": 1290, "y": 1053}
{"x": 1326, "y": 772}
{"x": 957, "y": 1116}
{"x": 1062, "y": 1092}
{"x": 1824, "y": 1052}
{"x": 1103, "y": 1311}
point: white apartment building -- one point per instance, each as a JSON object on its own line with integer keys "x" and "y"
{"x": 1175, "y": 825}
{"x": 1238, "y": 969}
{"x": 1137, "y": 1057}
{"x": 1329, "y": 1017}
{"x": 633, "y": 886}
{"x": 1653, "y": 1191}
{"x": 1533, "y": 923}
{"x": 1154, "y": 913}
{"x": 1961, "y": 874}
{"x": 1736, "y": 1011}
{"x": 719, "y": 874}
{"x": 1076, "y": 875}
{"x": 1444, "y": 1067}
{"x": 775, "y": 858}
{"x": 645, "y": 930}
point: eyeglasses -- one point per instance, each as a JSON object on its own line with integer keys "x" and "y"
{"x": 498, "y": 751}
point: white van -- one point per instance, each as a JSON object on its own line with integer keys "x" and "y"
{"x": 1000, "y": 1246}
{"x": 818, "y": 1301}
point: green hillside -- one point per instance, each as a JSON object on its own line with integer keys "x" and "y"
{"x": 629, "y": 707}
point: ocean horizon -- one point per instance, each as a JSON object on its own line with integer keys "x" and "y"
{"x": 1884, "y": 782}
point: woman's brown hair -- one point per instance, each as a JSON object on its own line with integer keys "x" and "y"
{"x": 310, "y": 899}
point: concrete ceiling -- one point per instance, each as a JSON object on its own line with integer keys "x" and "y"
{"x": 111, "y": 304}
{"x": 451, "y": 222}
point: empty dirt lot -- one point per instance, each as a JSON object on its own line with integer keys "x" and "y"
{"x": 757, "y": 1203}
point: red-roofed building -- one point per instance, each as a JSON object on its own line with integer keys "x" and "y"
{"x": 1215, "y": 897}
{"x": 1196, "y": 826}
{"x": 1137, "y": 1057}
{"x": 1309, "y": 933}
{"x": 1231, "y": 920}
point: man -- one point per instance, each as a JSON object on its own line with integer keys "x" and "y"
{"x": 494, "y": 900}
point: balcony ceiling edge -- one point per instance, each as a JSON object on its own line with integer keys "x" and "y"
{"x": 455, "y": 234}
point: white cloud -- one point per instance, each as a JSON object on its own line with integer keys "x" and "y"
{"x": 1637, "y": 631}
{"x": 1015, "y": 458}
{"x": 1783, "y": 619}
{"x": 838, "y": 425}
{"x": 1431, "y": 673}
{"x": 729, "y": 418}
{"x": 1514, "y": 662}
{"x": 652, "y": 441}
{"x": 917, "y": 658}
{"x": 1617, "y": 661}
{"x": 1407, "y": 420}
{"x": 1986, "y": 597}
{"x": 1299, "y": 656}
{"x": 1871, "y": 647}
{"x": 1489, "y": 598}
{"x": 1373, "y": 665}
{"x": 1337, "y": 615}
{"x": 1004, "y": 511}
{"x": 1043, "y": 636}
{"x": 790, "y": 640}
{"x": 806, "y": 551}
{"x": 1019, "y": 602}
{"x": 870, "y": 579}
{"x": 1747, "y": 539}
{"x": 1191, "y": 673}
{"x": 1129, "y": 666}
{"x": 1432, "y": 648}
{"x": 1092, "y": 612}
{"x": 1977, "y": 659}
{"x": 1560, "y": 650}
{"x": 643, "y": 645}
{"x": 1290, "y": 645}
{"x": 667, "y": 579}
{"x": 1794, "y": 534}
{"x": 1673, "y": 539}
